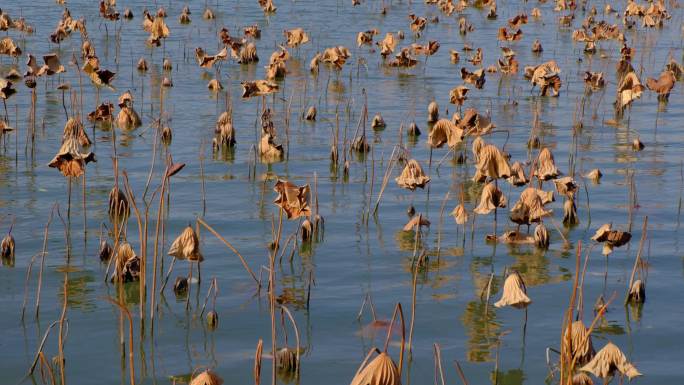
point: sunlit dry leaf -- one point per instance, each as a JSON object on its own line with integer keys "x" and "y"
{"x": 517, "y": 177}
{"x": 293, "y": 199}
{"x": 490, "y": 199}
{"x": 445, "y": 132}
{"x": 460, "y": 214}
{"x": 416, "y": 222}
{"x": 380, "y": 371}
{"x": 8, "y": 47}
{"x": 412, "y": 176}
{"x": 582, "y": 348}
{"x": 545, "y": 166}
{"x": 476, "y": 78}
{"x": 607, "y": 361}
{"x": 491, "y": 163}
{"x": 296, "y": 37}
{"x": 207, "y": 377}
{"x": 258, "y": 88}
{"x": 186, "y": 246}
{"x": 514, "y": 292}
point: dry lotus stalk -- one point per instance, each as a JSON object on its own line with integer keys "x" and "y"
{"x": 546, "y": 76}
{"x": 476, "y": 78}
{"x": 458, "y": 94}
{"x": 594, "y": 175}
{"x": 545, "y": 166}
{"x": 541, "y": 236}
{"x": 416, "y": 221}
{"x": 491, "y": 163}
{"x": 445, "y": 132}
{"x": 366, "y": 37}
{"x": 186, "y": 246}
{"x": 71, "y": 160}
{"x": 336, "y": 56}
{"x": 490, "y": 199}
{"x": 387, "y": 45}
{"x": 517, "y": 177}
{"x": 224, "y": 133}
{"x": 594, "y": 80}
{"x": 663, "y": 85}
{"x": 207, "y": 377}
{"x": 258, "y": 88}
{"x": 630, "y": 89}
{"x": 296, "y": 37}
{"x": 293, "y": 199}
{"x": 607, "y": 361}
{"x": 460, "y": 214}
{"x": 582, "y": 348}
{"x": 412, "y": 176}
{"x": 637, "y": 293}
{"x": 380, "y": 371}
{"x": 529, "y": 208}
{"x": 514, "y": 292}
{"x": 433, "y": 112}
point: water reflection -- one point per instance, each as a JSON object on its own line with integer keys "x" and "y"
{"x": 483, "y": 331}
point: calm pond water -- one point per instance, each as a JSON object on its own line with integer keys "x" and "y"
{"x": 356, "y": 257}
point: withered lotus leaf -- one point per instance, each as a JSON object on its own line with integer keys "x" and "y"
{"x": 403, "y": 59}
{"x": 296, "y": 37}
{"x": 454, "y": 56}
{"x": 428, "y": 49}
{"x": 253, "y": 31}
{"x": 474, "y": 123}
{"x": 207, "y": 61}
{"x": 7, "y": 247}
{"x": 458, "y": 95}
{"x": 336, "y": 56}
{"x": 529, "y": 208}
{"x": 412, "y": 176}
{"x": 491, "y": 163}
{"x": 490, "y": 199}
{"x": 416, "y": 222}
{"x": 214, "y": 85}
{"x": 566, "y": 186}
{"x": 582, "y": 348}
{"x": 269, "y": 150}
{"x": 208, "y": 14}
{"x": 629, "y": 89}
{"x": 476, "y": 78}
{"x": 537, "y": 47}
{"x": 518, "y": 20}
{"x": 378, "y": 121}
{"x": 637, "y": 293}
{"x": 258, "y": 88}
{"x": 6, "y": 89}
{"x": 541, "y": 236}
{"x": 387, "y": 45}
{"x": 607, "y": 361}
{"x": 293, "y": 199}
{"x": 310, "y": 114}
{"x": 366, "y": 37}
{"x": 512, "y": 237}
{"x": 74, "y": 128}
{"x": 380, "y": 371}
{"x": 248, "y": 54}
{"x": 594, "y": 175}
{"x": 417, "y": 23}
{"x": 545, "y": 167}
{"x": 514, "y": 292}
{"x": 207, "y": 377}
{"x": 546, "y": 76}
{"x": 460, "y": 214}
{"x": 663, "y": 85}
{"x": 594, "y": 80}
{"x": 517, "y": 177}
{"x": 128, "y": 118}
{"x": 267, "y": 6}
{"x": 570, "y": 212}
{"x": 582, "y": 378}
{"x": 504, "y": 35}
{"x": 52, "y": 65}
{"x": 71, "y": 160}
{"x": 8, "y": 47}
{"x": 433, "y": 112}
{"x": 127, "y": 264}
{"x": 186, "y": 246}
{"x": 445, "y": 132}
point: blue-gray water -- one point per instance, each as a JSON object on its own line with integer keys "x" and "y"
{"x": 355, "y": 257}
